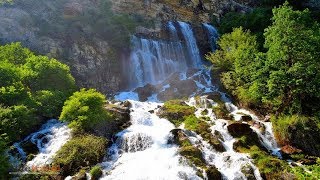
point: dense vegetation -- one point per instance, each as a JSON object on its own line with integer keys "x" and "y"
{"x": 32, "y": 89}
{"x": 274, "y": 68}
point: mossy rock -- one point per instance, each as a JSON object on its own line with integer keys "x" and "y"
{"x": 221, "y": 112}
{"x": 213, "y": 173}
{"x": 96, "y": 173}
{"x": 175, "y": 111}
{"x": 248, "y": 172}
{"x": 81, "y": 175}
{"x": 194, "y": 155}
{"x": 83, "y": 151}
{"x": 179, "y": 138}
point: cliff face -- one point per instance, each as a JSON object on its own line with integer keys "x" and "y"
{"x": 76, "y": 33}
{"x": 64, "y": 29}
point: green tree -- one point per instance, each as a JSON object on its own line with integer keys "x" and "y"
{"x": 84, "y": 109}
{"x": 43, "y": 73}
{"x": 293, "y": 42}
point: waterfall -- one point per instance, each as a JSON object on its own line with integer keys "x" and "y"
{"x": 152, "y": 61}
{"x": 143, "y": 151}
{"x": 49, "y": 139}
{"x": 191, "y": 42}
{"x": 212, "y": 35}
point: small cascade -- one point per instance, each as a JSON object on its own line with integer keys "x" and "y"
{"x": 49, "y": 139}
{"x": 150, "y": 156}
{"x": 212, "y": 35}
{"x": 230, "y": 163}
{"x": 266, "y": 135}
{"x": 192, "y": 46}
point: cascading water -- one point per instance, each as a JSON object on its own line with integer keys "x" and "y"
{"x": 49, "y": 139}
{"x": 152, "y": 61}
{"x": 142, "y": 151}
{"x": 191, "y": 42}
{"x": 212, "y": 35}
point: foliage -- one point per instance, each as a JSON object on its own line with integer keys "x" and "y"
{"x": 84, "y": 109}
{"x": 96, "y": 172}
{"x": 48, "y": 74}
{"x": 31, "y": 88}
{"x": 49, "y": 103}
{"x": 255, "y": 21}
{"x": 286, "y": 78}
{"x": 4, "y": 160}
{"x": 17, "y": 122}
{"x": 270, "y": 167}
{"x": 292, "y": 58}
{"x": 79, "y": 152}
{"x": 311, "y": 172}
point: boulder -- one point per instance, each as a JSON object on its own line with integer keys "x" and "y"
{"x": 213, "y": 173}
{"x": 246, "y": 118}
{"x": 145, "y": 92}
{"x": 248, "y": 172}
{"x": 239, "y": 129}
{"x": 120, "y": 121}
{"x": 178, "y": 137}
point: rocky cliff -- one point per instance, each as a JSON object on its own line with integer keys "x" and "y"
{"x": 79, "y": 32}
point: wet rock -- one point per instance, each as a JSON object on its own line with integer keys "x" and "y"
{"x": 248, "y": 172}
{"x": 178, "y": 137}
{"x": 213, "y": 173}
{"x": 151, "y": 111}
{"x": 246, "y": 118}
{"x": 29, "y": 147}
{"x": 239, "y": 129}
{"x": 126, "y": 104}
{"x": 215, "y": 96}
{"x": 289, "y": 150}
{"x": 120, "y": 121}
{"x": 145, "y": 92}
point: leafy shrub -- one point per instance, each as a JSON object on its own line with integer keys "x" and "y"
{"x": 82, "y": 151}
{"x": 17, "y": 122}
{"x": 4, "y": 160}
{"x": 49, "y": 103}
{"x": 96, "y": 172}
{"x": 84, "y": 109}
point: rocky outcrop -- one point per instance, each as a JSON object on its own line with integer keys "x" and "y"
{"x": 120, "y": 121}
{"x": 63, "y": 29}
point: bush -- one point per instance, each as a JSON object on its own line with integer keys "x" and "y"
{"x": 4, "y": 160}
{"x": 96, "y": 172}
{"x": 82, "y": 151}
{"x": 49, "y": 103}
{"x": 295, "y": 129}
{"x": 17, "y": 122}
{"x": 84, "y": 109}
